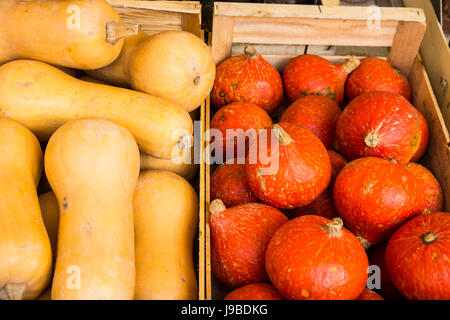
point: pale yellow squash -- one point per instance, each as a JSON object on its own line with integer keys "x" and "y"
{"x": 43, "y": 98}
{"x": 93, "y": 167}
{"x": 166, "y": 216}
{"x": 25, "y": 252}
{"x": 81, "y": 34}
{"x": 175, "y": 65}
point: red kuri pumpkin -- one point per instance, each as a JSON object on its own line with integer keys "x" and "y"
{"x": 248, "y": 78}
{"x": 379, "y": 124}
{"x": 312, "y": 257}
{"x": 322, "y": 206}
{"x": 255, "y": 291}
{"x": 417, "y": 257}
{"x": 338, "y": 162}
{"x": 239, "y": 237}
{"x": 310, "y": 74}
{"x": 424, "y": 138}
{"x": 297, "y": 169}
{"x": 316, "y": 113}
{"x": 368, "y": 294}
{"x": 375, "y": 74}
{"x": 229, "y": 184}
{"x": 374, "y": 196}
{"x": 430, "y": 187}
{"x": 239, "y": 122}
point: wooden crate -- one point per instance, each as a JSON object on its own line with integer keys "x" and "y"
{"x": 401, "y": 29}
{"x": 157, "y": 16}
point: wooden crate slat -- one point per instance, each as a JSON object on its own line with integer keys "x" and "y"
{"x": 309, "y": 11}
{"x": 222, "y": 38}
{"x": 406, "y": 44}
{"x": 157, "y": 16}
{"x": 437, "y": 158}
{"x": 310, "y": 31}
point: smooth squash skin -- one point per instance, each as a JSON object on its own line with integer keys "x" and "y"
{"x": 25, "y": 252}
{"x": 80, "y": 34}
{"x": 43, "y": 98}
{"x": 182, "y": 165}
{"x": 175, "y": 65}
{"x": 93, "y": 166}
{"x": 166, "y": 215}
{"x": 50, "y": 215}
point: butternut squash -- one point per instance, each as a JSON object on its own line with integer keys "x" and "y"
{"x": 50, "y": 215}
{"x": 174, "y": 65}
{"x": 80, "y": 34}
{"x": 182, "y": 165}
{"x": 93, "y": 167}
{"x": 42, "y": 98}
{"x": 166, "y": 216}
{"x": 25, "y": 252}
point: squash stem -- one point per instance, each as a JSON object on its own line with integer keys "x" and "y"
{"x": 364, "y": 242}
{"x": 283, "y": 137}
{"x": 372, "y": 139}
{"x": 250, "y": 51}
{"x": 428, "y": 238}
{"x": 116, "y": 32}
{"x": 351, "y": 64}
{"x": 217, "y": 206}
{"x": 334, "y": 228}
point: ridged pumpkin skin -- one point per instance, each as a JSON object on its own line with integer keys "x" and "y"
{"x": 43, "y": 98}
{"x": 188, "y": 61}
{"x": 369, "y": 295}
{"x": 229, "y": 184}
{"x": 50, "y": 215}
{"x": 93, "y": 166}
{"x": 78, "y": 30}
{"x": 248, "y": 78}
{"x": 237, "y": 118}
{"x": 310, "y": 74}
{"x": 255, "y": 291}
{"x": 239, "y": 237}
{"x": 300, "y": 163}
{"x": 375, "y": 74}
{"x": 25, "y": 252}
{"x": 166, "y": 215}
{"x": 323, "y": 205}
{"x": 314, "y": 258}
{"x": 375, "y": 196}
{"x": 424, "y": 138}
{"x": 417, "y": 257}
{"x": 434, "y": 197}
{"x": 316, "y": 113}
{"x": 379, "y": 124}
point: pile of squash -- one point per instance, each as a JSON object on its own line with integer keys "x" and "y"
{"x": 121, "y": 216}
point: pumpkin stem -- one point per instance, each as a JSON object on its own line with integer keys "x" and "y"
{"x": 12, "y": 291}
{"x": 351, "y": 64}
{"x": 217, "y": 206}
{"x": 372, "y": 139}
{"x": 428, "y": 238}
{"x": 334, "y": 228}
{"x": 283, "y": 137}
{"x": 196, "y": 80}
{"x": 364, "y": 242}
{"x": 250, "y": 52}
{"x": 116, "y": 32}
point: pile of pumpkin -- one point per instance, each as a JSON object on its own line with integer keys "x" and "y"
{"x": 111, "y": 230}
{"x": 346, "y": 151}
